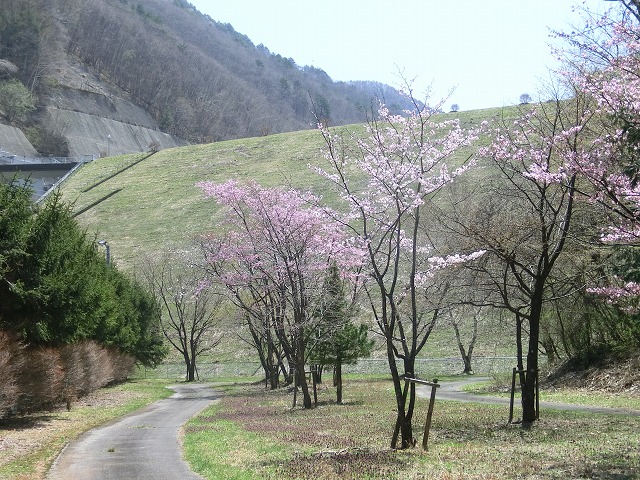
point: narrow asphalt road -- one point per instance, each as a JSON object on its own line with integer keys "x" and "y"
{"x": 140, "y": 446}
{"x": 454, "y": 391}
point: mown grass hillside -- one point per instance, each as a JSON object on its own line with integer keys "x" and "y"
{"x": 155, "y": 203}
{"x": 143, "y": 205}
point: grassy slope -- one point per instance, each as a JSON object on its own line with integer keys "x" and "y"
{"x": 159, "y": 205}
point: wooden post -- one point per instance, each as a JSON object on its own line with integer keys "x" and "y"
{"x": 513, "y": 393}
{"x": 427, "y": 424}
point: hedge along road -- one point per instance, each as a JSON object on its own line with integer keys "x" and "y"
{"x": 143, "y": 445}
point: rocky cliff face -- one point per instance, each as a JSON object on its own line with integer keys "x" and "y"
{"x": 95, "y": 118}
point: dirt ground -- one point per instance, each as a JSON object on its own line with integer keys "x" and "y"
{"x": 613, "y": 377}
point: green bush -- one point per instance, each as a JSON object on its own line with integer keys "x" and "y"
{"x": 57, "y": 288}
{"x": 48, "y": 142}
{"x": 16, "y": 100}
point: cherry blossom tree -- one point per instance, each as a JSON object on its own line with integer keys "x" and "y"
{"x": 261, "y": 304}
{"x": 387, "y": 181}
{"x": 582, "y": 145}
{"x": 277, "y": 250}
{"x": 603, "y": 60}
{"x": 532, "y": 201}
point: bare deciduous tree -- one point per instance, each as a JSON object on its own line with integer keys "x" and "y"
{"x": 190, "y": 310}
{"x": 525, "y": 98}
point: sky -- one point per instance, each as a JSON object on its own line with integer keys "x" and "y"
{"x": 490, "y": 52}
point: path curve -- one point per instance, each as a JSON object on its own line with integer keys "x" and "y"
{"x": 141, "y": 446}
{"x": 454, "y": 391}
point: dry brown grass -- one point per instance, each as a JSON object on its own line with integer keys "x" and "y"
{"x": 34, "y": 378}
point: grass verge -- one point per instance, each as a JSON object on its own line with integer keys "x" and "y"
{"x": 29, "y": 444}
{"x": 253, "y": 433}
{"x": 576, "y": 396}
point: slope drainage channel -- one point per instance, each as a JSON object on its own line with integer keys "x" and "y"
{"x": 117, "y": 173}
{"x": 91, "y": 205}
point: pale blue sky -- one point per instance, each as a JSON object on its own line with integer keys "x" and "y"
{"x": 491, "y": 51}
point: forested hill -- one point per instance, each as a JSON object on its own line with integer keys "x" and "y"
{"x": 198, "y": 79}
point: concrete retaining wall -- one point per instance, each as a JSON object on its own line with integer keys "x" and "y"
{"x": 94, "y": 124}
{"x": 13, "y": 142}
{"x": 93, "y": 135}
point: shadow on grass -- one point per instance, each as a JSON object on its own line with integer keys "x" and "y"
{"x": 607, "y": 467}
{"x": 345, "y": 463}
{"x": 26, "y": 422}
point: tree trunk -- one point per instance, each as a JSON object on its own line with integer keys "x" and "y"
{"x": 274, "y": 377}
{"x": 306, "y": 396}
{"x": 316, "y": 371}
{"x": 466, "y": 359}
{"x": 404, "y": 397}
{"x": 191, "y": 371}
{"x": 338, "y": 378}
{"x": 265, "y": 359}
{"x": 302, "y": 379}
{"x": 403, "y": 420}
{"x": 529, "y": 412}
{"x": 529, "y": 407}
{"x": 271, "y": 370}
{"x": 466, "y": 356}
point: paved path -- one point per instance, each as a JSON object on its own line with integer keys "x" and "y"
{"x": 454, "y": 391}
{"x": 140, "y": 446}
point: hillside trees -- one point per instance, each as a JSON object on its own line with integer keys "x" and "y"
{"x": 603, "y": 61}
{"x": 272, "y": 258}
{"x": 190, "y": 94}
{"x": 387, "y": 181}
{"x": 15, "y": 100}
{"x": 200, "y": 79}
{"x": 21, "y": 26}
{"x": 539, "y": 234}
{"x": 525, "y": 221}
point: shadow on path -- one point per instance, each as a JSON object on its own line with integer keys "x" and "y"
{"x": 141, "y": 446}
